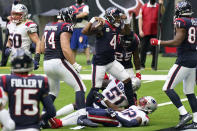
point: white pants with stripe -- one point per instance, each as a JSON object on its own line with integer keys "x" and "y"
{"x": 61, "y": 70}
{"x": 114, "y": 68}
{"x": 178, "y": 74}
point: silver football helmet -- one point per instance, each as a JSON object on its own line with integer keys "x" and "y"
{"x": 19, "y": 13}
{"x": 136, "y": 83}
{"x": 147, "y": 104}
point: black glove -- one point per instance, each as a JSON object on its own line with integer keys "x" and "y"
{"x": 111, "y": 112}
{"x": 8, "y": 51}
{"x": 98, "y": 96}
{"x": 36, "y": 61}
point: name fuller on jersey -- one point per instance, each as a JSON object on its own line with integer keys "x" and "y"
{"x": 30, "y": 83}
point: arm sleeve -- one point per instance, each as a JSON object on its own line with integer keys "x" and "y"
{"x": 127, "y": 123}
{"x": 50, "y": 109}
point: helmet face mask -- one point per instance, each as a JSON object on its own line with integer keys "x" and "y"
{"x": 21, "y": 61}
{"x": 67, "y": 15}
{"x": 147, "y": 104}
{"x": 113, "y": 16}
{"x": 19, "y": 13}
{"x": 183, "y": 9}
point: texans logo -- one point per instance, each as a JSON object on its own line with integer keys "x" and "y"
{"x": 129, "y": 6}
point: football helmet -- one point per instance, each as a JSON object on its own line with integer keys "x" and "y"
{"x": 126, "y": 40}
{"x": 19, "y": 13}
{"x": 148, "y": 104}
{"x": 183, "y": 8}
{"x": 113, "y": 16}
{"x": 136, "y": 83}
{"x": 21, "y": 61}
{"x": 67, "y": 15}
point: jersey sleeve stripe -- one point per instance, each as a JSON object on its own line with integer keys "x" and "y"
{"x": 4, "y": 81}
{"x": 181, "y": 20}
{"x": 29, "y": 23}
{"x": 62, "y": 26}
{"x": 1, "y": 93}
{"x": 45, "y": 82}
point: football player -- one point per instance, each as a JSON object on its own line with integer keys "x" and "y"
{"x": 130, "y": 117}
{"x": 25, "y": 92}
{"x": 22, "y": 32}
{"x": 107, "y": 32}
{"x": 5, "y": 119}
{"x": 59, "y": 62}
{"x": 184, "y": 68}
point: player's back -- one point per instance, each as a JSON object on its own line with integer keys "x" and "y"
{"x": 132, "y": 113}
{"x": 25, "y": 94}
{"x": 52, "y": 32}
{"x": 187, "y": 54}
{"x": 114, "y": 93}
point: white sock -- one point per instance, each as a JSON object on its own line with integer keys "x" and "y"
{"x": 5, "y": 119}
{"x": 71, "y": 119}
{"x": 195, "y": 117}
{"x": 182, "y": 110}
{"x": 65, "y": 110}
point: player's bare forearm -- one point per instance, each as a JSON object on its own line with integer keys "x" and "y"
{"x": 86, "y": 29}
{"x": 178, "y": 39}
{"x": 34, "y": 37}
{"x": 42, "y": 48}
{"x": 113, "y": 106}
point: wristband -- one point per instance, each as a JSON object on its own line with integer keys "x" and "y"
{"x": 159, "y": 42}
{"x": 92, "y": 20}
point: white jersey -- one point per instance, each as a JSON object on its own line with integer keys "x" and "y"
{"x": 132, "y": 113}
{"x": 3, "y": 97}
{"x": 18, "y": 34}
{"x": 114, "y": 93}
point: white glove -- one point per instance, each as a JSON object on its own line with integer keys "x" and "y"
{"x": 77, "y": 67}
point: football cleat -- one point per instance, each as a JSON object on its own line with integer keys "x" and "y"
{"x": 55, "y": 123}
{"x": 44, "y": 124}
{"x": 84, "y": 121}
{"x": 183, "y": 120}
{"x": 193, "y": 125}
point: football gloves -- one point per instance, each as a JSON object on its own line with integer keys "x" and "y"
{"x": 77, "y": 67}
{"x": 155, "y": 41}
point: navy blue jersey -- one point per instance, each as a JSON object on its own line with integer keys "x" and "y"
{"x": 124, "y": 55}
{"x": 52, "y": 32}
{"x": 186, "y": 55}
{"x": 25, "y": 94}
{"x": 105, "y": 45}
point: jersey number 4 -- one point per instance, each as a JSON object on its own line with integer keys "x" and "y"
{"x": 22, "y": 97}
{"x": 50, "y": 40}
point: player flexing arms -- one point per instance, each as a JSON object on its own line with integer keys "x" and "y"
{"x": 103, "y": 59}
{"x": 22, "y": 32}
{"x": 59, "y": 62}
{"x": 184, "y": 67}
{"x": 25, "y": 92}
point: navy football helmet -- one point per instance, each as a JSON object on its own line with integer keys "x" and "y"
{"x": 113, "y": 16}
{"x": 127, "y": 40}
{"x": 183, "y": 8}
{"x": 67, "y": 15}
{"x": 21, "y": 61}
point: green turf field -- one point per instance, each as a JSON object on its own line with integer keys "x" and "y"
{"x": 164, "y": 117}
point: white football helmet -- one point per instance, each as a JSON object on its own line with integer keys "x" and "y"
{"x": 136, "y": 83}
{"x": 19, "y": 13}
{"x": 147, "y": 104}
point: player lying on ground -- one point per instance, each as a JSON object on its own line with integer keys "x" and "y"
{"x": 133, "y": 116}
